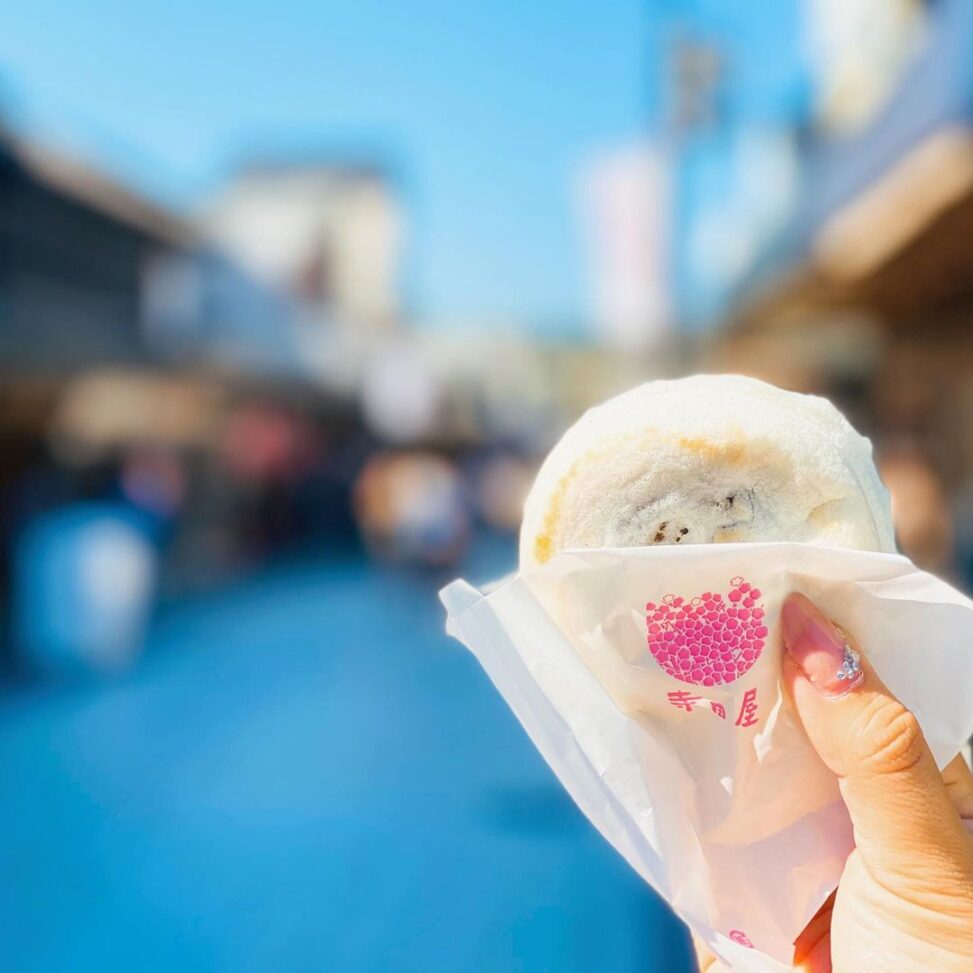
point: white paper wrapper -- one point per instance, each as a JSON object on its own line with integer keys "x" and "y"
{"x": 711, "y": 791}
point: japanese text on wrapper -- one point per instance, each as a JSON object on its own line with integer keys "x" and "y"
{"x": 685, "y": 700}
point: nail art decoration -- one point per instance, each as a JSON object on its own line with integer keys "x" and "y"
{"x": 851, "y": 666}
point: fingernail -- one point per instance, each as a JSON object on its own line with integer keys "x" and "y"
{"x": 818, "y": 648}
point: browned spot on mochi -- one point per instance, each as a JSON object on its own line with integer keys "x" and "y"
{"x": 730, "y": 453}
{"x": 544, "y": 542}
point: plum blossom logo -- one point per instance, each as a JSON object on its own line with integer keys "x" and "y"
{"x": 709, "y": 640}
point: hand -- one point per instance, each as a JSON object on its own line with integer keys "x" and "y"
{"x": 905, "y": 900}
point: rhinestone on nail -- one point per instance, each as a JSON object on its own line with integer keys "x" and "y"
{"x": 851, "y": 664}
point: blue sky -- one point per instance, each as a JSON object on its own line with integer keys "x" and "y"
{"x": 485, "y": 108}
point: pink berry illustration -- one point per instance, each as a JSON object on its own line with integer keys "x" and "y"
{"x": 707, "y": 640}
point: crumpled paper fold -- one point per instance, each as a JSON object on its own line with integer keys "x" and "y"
{"x": 649, "y": 679}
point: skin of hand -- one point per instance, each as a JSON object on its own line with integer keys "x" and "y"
{"x": 905, "y": 900}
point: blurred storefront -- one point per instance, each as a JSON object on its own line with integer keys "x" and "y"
{"x": 148, "y": 383}
{"x": 246, "y": 381}
{"x": 746, "y": 133}
{"x": 73, "y": 246}
{"x": 866, "y": 293}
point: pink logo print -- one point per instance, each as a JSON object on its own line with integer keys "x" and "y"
{"x": 741, "y": 937}
{"x": 710, "y": 640}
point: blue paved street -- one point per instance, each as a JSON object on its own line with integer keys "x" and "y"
{"x": 303, "y": 773}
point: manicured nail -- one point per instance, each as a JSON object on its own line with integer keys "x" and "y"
{"x": 818, "y": 648}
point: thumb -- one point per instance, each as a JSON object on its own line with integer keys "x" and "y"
{"x": 907, "y": 830}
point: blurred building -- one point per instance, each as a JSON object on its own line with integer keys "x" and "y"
{"x": 92, "y": 274}
{"x": 142, "y": 367}
{"x": 821, "y": 202}
{"x": 329, "y": 233}
{"x": 750, "y": 94}
{"x": 866, "y": 290}
{"x": 74, "y": 246}
{"x": 94, "y": 278}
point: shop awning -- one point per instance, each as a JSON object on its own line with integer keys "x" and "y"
{"x": 885, "y": 214}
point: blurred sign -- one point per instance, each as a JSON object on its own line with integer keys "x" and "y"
{"x": 108, "y": 409}
{"x": 625, "y": 196}
{"x": 858, "y": 49}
